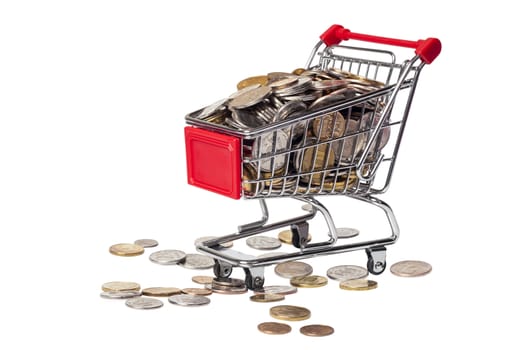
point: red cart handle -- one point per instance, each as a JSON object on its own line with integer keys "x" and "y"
{"x": 427, "y": 49}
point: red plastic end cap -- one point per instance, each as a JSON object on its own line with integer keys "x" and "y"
{"x": 335, "y": 34}
{"x": 428, "y": 49}
{"x": 213, "y": 161}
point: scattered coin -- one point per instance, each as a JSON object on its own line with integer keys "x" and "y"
{"x": 209, "y": 238}
{"x": 144, "y": 303}
{"x": 167, "y": 257}
{"x": 347, "y": 232}
{"x": 197, "y": 291}
{"x": 411, "y": 268}
{"x": 311, "y": 281}
{"x": 161, "y": 291}
{"x": 260, "y": 80}
{"x": 316, "y": 330}
{"x": 286, "y": 236}
{"x": 283, "y": 290}
{"x": 307, "y": 207}
{"x": 263, "y": 242}
{"x": 189, "y": 300}
{"x": 274, "y": 328}
{"x": 266, "y": 298}
{"x": 229, "y": 290}
{"x": 360, "y": 284}
{"x": 226, "y": 285}
{"x": 290, "y": 313}
{"x": 347, "y": 272}
{"x": 126, "y": 249}
{"x": 198, "y": 262}
{"x": 292, "y": 269}
{"x": 121, "y": 294}
{"x": 202, "y": 279}
{"x": 118, "y": 286}
{"x": 147, "y": 243}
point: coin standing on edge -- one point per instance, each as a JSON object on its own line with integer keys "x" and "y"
{"x": 316, "y": 330}
{"x": 274, "y": 328}
{"x": 410, "y": 268}
{"x": 126, "y": 249}
{"x": 143, "y": 303}
{"x": 146, "y": 243}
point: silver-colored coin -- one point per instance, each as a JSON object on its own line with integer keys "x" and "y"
{"x": 347, "y": 272}
{"x": 292, "y": 269}
{"x": 167, "y": 257}
{"x": 214, "y": 107}
{"x": 147, "y": 243}
{"x": 283, "y": 290}
{"x": 347, "y": 232}
{"x": 411, "y": 268}
{"x": 227, "y": 282}
{"x": 189, "y": 300}
{"x": 198, "y": 261}
{"x": 229, "y": 290}
{"x": 307, "y": 207}
{"x": 121, "y": 295}
{"x": 144, "y": 303}
{"x": 250, "y": 98}
{"x": 268, "y": 144}
{"x": 244, "y": 90}
{"x": 209, "y": 238}
{"x": 288, "y": 109}
{"x": 263, "y": 242}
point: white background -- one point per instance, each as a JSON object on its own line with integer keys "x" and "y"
{"x": 93, "y": 96}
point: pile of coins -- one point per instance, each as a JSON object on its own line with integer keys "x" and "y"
{"x": 307, "y": 155}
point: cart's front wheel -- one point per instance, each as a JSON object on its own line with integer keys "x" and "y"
{"x": 222, "y": 269}
{"x": 376, "y": 264}
{"x": 253, "y": 280}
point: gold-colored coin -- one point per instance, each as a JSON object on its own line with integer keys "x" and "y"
{"x": 161, "y": 291}
{"x": 312, "y": 281}
{"x": 126, "y": 249}
{"x": 274, "y": 328}
{"x": 317, "y": 159}
{"x": 286, "y": 236}
{"x": 359, "y": 284}
{"x": 266, "y": 298}
{"x": 290, "y": 313}
{"x": 316, "y": 330}
{"x": 197, "y": 291}
{"x": 329, "y": 126}
{"x": 298, "y": 71}
{"x": 259, "y": 79}
{"x": 249, "y": 173}
{"x": 119, "y": 286}
{"x": 202, "y": 279}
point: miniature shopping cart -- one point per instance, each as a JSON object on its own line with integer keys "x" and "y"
{"x": 337, "y": 135}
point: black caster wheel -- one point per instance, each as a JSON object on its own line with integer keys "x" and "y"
{"x": 221, "y": 269}
{"x": 253, "y": 282}
{"x": 376, "y": 264}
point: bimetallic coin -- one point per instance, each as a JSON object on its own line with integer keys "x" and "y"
{"x": 347, "y": 232}
{"x": 198, "y": 261}
{"x": 266, "y": 298}
{"x": 197, "y": 291}
{"x": 292, "y": 269}
{"x": 126, "y": 249}
{"x": 209, "y": 238}
{"x": 167, "y": 257}
{"x": 121, "y": 294}
{"x": 147, "y": 243}
{"x": 263, "y": 242}
{"x": 202, "y": 279}
{"x": 347, "y": 272}
{"x": 189, "y": 300}
{"x": 118, "y": 286}
{"x": 312, "y": 281}
{"x": 410, "y": 268}
{"x": 283, "y": 290}
{"x": 286, "y": 236}
{"x": 274, "y": 328}
{"x": 360, "y": 284}
{"x": 161, "y": 291}
{"x": 316, "y": 330}
{"x": 144, "y": 303}
{"x": 290, "y": 313}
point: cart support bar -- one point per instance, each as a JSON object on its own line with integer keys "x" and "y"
{"x": 427, "y": 49}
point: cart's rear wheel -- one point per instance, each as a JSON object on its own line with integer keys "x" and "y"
{"x": 222, "y": 269}
{"x": 376, "y": 264}
{"x": 252, "y": 281}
